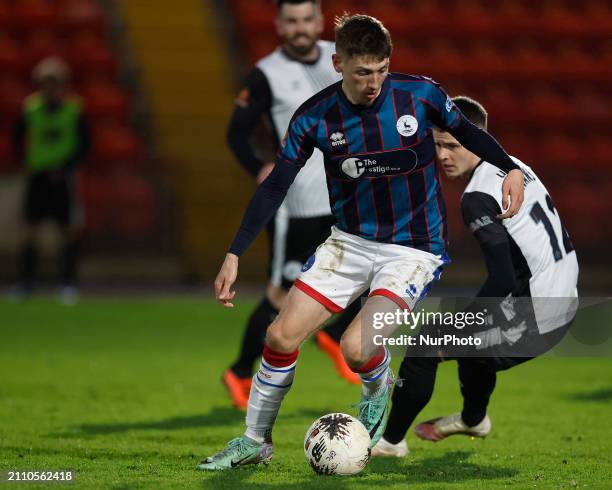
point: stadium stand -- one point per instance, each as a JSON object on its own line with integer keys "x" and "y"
{"x": 541, "y": 68}
{"x": 118, "y": 194}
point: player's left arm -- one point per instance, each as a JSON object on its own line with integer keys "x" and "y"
{"x": 446, "y": 115}
{"x": 480, "y": 211}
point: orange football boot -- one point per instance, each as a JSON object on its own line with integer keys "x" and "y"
{"x": 238, "y": 388}
{"x": 332, "y": 349}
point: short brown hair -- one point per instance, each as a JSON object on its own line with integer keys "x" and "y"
{"x": 472, "y": 110}
{"x": 362, "y": 35}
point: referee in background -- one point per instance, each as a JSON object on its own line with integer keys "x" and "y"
{"x": 51, "y": 139}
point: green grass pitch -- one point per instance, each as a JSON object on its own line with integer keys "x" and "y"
{"x": 127, "y": 394}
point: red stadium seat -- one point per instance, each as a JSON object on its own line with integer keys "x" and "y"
{"x": 34, "y": 15}
{"x": 120, "y": 203}
{"x": 6, "y": 16}
{"x": 116, "y": 146}
{"x": 93, "y": 58}
{"x": 10, "y": 56}
{"x": 598, "y": 151}
{"x": 137, "y": 205}
{"x": 266, "y": 43}
{"x": 12, "y": 96}
{"x": 105, "y": 102}
{"x": 560, "y": 151}
{"x": 520, "y": 145}
{"x": 38, "y": 46}
{"x": 80, "y": 15}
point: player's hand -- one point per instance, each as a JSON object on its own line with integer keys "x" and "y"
{"x": 513, "y": 193}
{"x": 225, "y": 279}
{"x": 264, "y": 172}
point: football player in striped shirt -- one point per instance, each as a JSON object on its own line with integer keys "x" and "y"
{"x": 275, "y": 89}
{"x": 374, "y": 129}
{"x": 529, "y": 257}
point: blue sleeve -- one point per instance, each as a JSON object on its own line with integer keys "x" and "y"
{"x": 441, "y": 109}
{"x": 299, "y": 141}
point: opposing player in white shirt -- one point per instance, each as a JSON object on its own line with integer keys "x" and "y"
{"x": 527, "y": 256}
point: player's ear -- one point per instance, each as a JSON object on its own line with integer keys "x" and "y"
{"x": 337, "y": 61}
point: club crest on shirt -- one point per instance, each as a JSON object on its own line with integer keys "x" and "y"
{"x": 407, "y": 125}
{"x": 309, "y": 263}
{"x": 337, "y": 139}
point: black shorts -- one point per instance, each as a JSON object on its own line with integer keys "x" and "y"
{"x": 293, "y": 241}
{"x": 49, "y": 197}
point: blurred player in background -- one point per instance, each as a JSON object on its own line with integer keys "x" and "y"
{"x": 529, "y": 255}
{"x": 275, "y": 88}
{"x": 375, "y": 131}
{"x": 52, "y": 139}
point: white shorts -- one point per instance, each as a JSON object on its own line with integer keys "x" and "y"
{"x": 345, "y": 266}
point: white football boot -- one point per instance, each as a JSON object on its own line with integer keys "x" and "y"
{"x": 440, "y": 428}
{"x": 385, "y": 448}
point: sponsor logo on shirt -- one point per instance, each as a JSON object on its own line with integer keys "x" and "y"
{"x": 355, "y": 167}
{"x": 337, "y": 139}
{"x": 407, "y": 125}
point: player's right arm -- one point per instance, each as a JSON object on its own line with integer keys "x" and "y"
{"x": 446, "y": 115}
{"x": 296, "y": 149}
{"x": 253, "y": 102}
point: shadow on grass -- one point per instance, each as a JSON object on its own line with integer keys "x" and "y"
{"x": 600, "y": 396}
{"x": 451, "y": 467}
{"x": 217, "y": 417}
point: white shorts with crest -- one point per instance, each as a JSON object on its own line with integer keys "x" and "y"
{"x": 345, "y": 266}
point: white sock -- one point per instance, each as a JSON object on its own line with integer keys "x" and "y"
{"x": 375, "y": 379}
{"x": 269, "y": 387}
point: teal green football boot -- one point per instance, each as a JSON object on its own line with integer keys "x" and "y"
{"x": 374, "y": 410}
{"x": 240, "y": 451}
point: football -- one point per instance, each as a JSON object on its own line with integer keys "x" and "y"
{"x": 337, "y": 444}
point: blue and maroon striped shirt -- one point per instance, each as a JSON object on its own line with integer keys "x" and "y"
{"x": 380, "y": 160}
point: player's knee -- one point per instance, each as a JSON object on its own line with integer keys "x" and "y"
{"x": 278, "y": 340}
{"x": 352, "y": 350}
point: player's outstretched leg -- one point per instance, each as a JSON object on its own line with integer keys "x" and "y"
{"x": 376, "y": 385}
{"x": 300, "y": 316}
{"x": 413, "y": 390}
{"x": 376, "y": 378}
{"x": 477, "y": 385}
